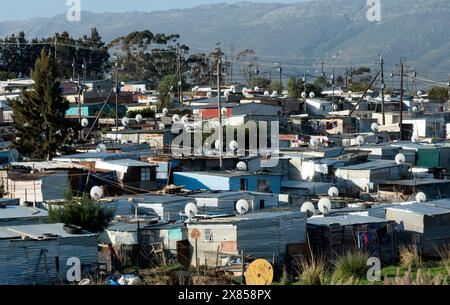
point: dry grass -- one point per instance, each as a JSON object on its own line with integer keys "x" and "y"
{"x": 352, "y": 264}
{"x": 410, "y": 257}
{"x": 312, "y": 271}
{"x": 421, "y": 278}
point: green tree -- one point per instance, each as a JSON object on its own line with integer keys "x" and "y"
{"x": 438, "y": 93}
{"x": 2, "y": 190}
{"x": 83, "y": 213}
{"x": 146, "y": 113}
{"x": 39, "y": 114}
{"x": 261, "y": 82}
{"x": 295, "y": 87}
{"x": 5, "y": 75}
{"x": 275, "y": 85}
{"x": 165, "y": 87}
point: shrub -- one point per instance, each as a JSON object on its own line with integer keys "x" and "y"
{"x": 351, "y": 264}
{"x": 85, "y": 213}
{"x": 146, "y": 113}
{"x": 410, "y": 257}
{"x": 312, "y": 271}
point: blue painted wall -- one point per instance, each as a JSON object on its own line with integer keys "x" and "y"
{"x": 196, "y": 181}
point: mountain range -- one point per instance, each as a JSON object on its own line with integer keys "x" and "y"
{"x": 298, "y": 35}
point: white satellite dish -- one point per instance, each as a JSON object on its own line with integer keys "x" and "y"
{"x": 195, "y": 89}
{"x": 161, "y": 126}
{"x": 242, "y": 206}
{"x": 165, "y": 111}
{"x": 274, "y": 93}
{"x": 359, "y": 140}
{"x": 374, "y": 127}
{"x": 84, "y": 122}
{"x": 312, "y": 95}
{"x": 233, "y": 89}
{"x": 101, "y": 148}
{"x": 175, "y": 118}
{"x": 209, "y": 94}
{"x": 234, "y": 145}
{"x": 333, "y": 192}
{"x": 96, "y": 193}
{"x": 188, "y": 129}
{"x": 185, "y": 119}
{"x": 314, "y": 142}
{"x": 304, "y": 95}
{"x": 125, "y": 122}
{"x": 415, "y": 138}
{"x": 224, "y": 110}
{"x": 227, "y": 94}
{"x": 419, "y": 93}
{"x": 266, "y": 93}
{"x": 421, "y": 197}
{"x": 217, "y": 144}
{"x": 191, "y": 210}
{"x": 256, "y": 89}
{"x": 415, "y": 108}
{"x": 241, "y": 166}
{"x": 244, "y": 91}
{"x": 400, "y": 159}
{"x": 308, "y": 208}
{"x": 324, "y": 205}
{"x": 139, "y": 118}
{"x": 335, "y": 106}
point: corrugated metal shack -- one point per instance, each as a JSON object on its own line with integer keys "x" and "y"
{"x": 131, "y": 243}
{"x": 258, "y": 235}
{"x": 335, "y": 234}
{"x": 15, "y": 215}
{"x": 426, "y": 225}
{"x": 33, "y": 254}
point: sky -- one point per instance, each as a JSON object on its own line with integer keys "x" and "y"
{"x": 25, "y": 9}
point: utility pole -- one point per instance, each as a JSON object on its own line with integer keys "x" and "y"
{"x": 84, "y": 70}
{"x": 382, "y": 89}
{"x": 346, "y": 77}
{"x": 232, "y": 63}
{"x": 305, "y": 88}
{"x": 117, "y": 101}
{"x": 56, "y": 42}
{"x": 219, "y": 105}
{"x": 73, "y": 70}
{"x": 79, "y": 99}
{"x": 332, "y": 84}
{"x": 280, "y": 69}
{"x": 180, "y": 82}
{"x": 322, "y": 65}
{"x": 401, "y": 98}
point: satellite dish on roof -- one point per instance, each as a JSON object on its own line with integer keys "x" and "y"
{"x": 234, "y": 145}
{"x": 217, "y": 144}
{"x": 161, "y": 126}
{"x": 241, "y": 166}
{"x": 191, "y": 210}
{"x": 224, "y": 110}
{"x": 421, "y": 197}
{"x": 84, "y": 122}
{"x": 175, "y": 118}
{"x": 360, "y": 140}
{"x": 101, "y": 148}
{"x": 233, "y": 89}
{"x": 324, "y": 206}
{"x": 308, "y": 208}
{"x": 415, "y": 138}
{"x": 415, "y": 108}
{"x": 400, "y": 159}
{"x": 209, "y": 94}
{"x": 165, "y": 111}
{"x": 333, "y": 192}
{"x": 96, "y": 193}
{"x": 274, "y": 93}
{"x": 256, "y": 89}
{"x": 196, "y": 88}
{"x": 304, "y": 95}
{"x": 314, "y": 142}
{"x": 139, "y": 118}
{"x": 185, "y": 119}
{"x": 242, "y": 206}
{"x": 266, "y": 93}
{"x": 374, "y": 127}
{"x": 244, "y": 91}
{"x": 312, "y": 95}
{"x": 227, "y": 93}
{"x": 125, "y": 122}
{"x": 336, "y": 107}
{"x": 419, "y": 93}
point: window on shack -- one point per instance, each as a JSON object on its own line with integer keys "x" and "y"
{"x": 146, "y": 174}
{"x": 208, "y": 236}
